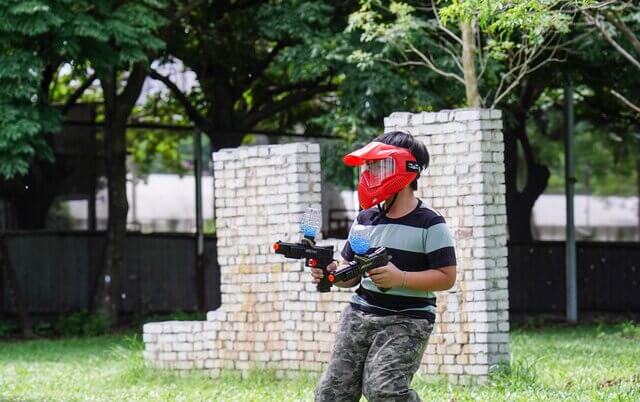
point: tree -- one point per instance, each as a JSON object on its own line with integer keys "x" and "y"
{"x": 492, "y": 49}
{"x": 260, "y": 65}
{"x": 284, "y": 67}
{"x": 489, "y": 47}
{"x": 122, "y": 61}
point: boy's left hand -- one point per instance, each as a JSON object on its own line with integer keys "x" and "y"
{"x": 388, "y": 276}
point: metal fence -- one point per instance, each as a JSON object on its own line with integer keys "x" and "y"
{"x": 57, "y": 272}
{"x": 608, "y": 277}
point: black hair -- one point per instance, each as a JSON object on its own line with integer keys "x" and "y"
{"x": 408, "y": 141}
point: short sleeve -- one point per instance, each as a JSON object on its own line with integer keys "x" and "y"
{"x": 439, "y": 245}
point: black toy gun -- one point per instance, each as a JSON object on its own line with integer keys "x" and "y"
{"x": 314, "y": 257}
{"x": 361, "y": 264}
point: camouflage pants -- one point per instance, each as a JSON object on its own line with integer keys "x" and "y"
{"x": 374, "y": 356}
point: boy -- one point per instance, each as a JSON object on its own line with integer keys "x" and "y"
{"x": 382, "y": 335}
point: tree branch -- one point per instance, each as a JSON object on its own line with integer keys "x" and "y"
{"x": 127, "y": 99}
{"x": 305, "y": 84}
{"x": 47, "y": 78}
{"x": 624, "y": 29}
{"x": 266, "y": 61}
{"x": 610, "y": 39}
{"x": 253, "y": 118}
{"x": 522, "y": 66}
{"x": 186, "y": 10}
{"x": 456, "y": 58}
{"x": 77, "y": 94}
{"x": 432, "y": 65}
{"x": 626, "y": 101}
{"x": 442, "y": 27}
{"x": 191, "y": 111}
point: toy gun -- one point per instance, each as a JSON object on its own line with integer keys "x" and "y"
{"x": 314, "y": 256}
{"x": 360, "y": 265}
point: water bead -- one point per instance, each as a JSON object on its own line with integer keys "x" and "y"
{"x": 308, "y": 230}
{"x": 360, "y": 245}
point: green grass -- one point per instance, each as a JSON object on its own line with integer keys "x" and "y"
{"x": 574, "y": 364}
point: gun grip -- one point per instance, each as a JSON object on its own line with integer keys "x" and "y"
{"x": 324, "y": 286}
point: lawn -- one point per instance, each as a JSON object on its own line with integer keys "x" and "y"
{"x": 561, "y": 363}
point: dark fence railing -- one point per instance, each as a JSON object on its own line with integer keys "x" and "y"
{"x": 57, "y": 272}
{"x": 608, "y": 277}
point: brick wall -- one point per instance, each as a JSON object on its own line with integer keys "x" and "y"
{"x": 272, "y": 316}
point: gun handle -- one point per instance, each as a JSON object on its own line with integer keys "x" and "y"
{"x": 324, "y": 286}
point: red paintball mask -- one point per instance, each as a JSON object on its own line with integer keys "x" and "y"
{"x": 384, "y": 171}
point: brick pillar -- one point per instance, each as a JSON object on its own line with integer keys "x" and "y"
{"x": 465, "y": 182}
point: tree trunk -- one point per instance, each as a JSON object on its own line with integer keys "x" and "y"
{"x": 469, "y": 52}
{"x": 14, "y": 289}
{"x": 520, "y": 203}
{"x": 117, "y": 111}
{"x": 222, "y": 118}
{"x": 108, "y": 291}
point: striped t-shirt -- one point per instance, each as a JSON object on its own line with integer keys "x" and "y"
{"x": 417, "y": 241}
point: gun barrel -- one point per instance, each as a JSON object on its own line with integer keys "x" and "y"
{"x": 314, "y": 256}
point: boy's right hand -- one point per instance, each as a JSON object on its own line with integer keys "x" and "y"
{"x": 317, "y": 274}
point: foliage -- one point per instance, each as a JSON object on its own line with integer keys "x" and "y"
{"x": 618, "y": 24}
{"x": 23, "y": 116}
{"x": 266, "y": 65}
{"x": 159, "y": 150}
{"x": 515, "y": 38}
{"x": 39, "y": 36}
{"x": 7, "y": 329}
{"x": 83, "y": 324}
{"x": 285, "y": 68}
{"x": 353, "y": 133}
{"x": 561, "y": 363}
{"x": 164, "y": 151}
{"x": 59, "y": 217}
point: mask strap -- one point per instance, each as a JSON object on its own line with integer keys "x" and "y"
{"x": 382, "y": 212}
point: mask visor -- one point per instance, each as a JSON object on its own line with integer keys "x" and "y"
{"x": 374, "y": 173}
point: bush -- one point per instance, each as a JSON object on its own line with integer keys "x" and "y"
{"x": 84, "y": 324}
{"x": 7, "y": 329}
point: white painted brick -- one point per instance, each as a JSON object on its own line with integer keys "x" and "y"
{"x": 424, "y": 118}
{"x": 467, "y": 114}
{"x": 152, "y": 328}
{"x": 397, "y": 119}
